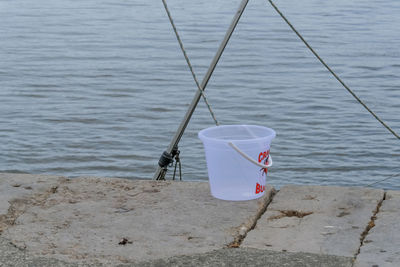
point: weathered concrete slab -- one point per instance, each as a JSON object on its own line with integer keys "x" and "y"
{"x": 17, "y": 189}
{"x": 253, "y": 257}
{"x": 381, "y": 247}
{"x": 11, "y": 256}
{"x": 113, "y": 221}
{"x": 315, "y": 219}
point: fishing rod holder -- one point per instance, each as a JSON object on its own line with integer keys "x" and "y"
{"x": 167, "y": 160}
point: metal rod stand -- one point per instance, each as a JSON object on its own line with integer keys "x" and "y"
{"x": 167, "y": 156}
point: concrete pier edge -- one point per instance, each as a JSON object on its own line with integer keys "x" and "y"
{"x": 56, "y": 221}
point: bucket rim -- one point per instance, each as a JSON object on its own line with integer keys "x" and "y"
{"x": 202, "y": 136}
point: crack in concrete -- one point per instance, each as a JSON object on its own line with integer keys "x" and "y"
{"x": 369, "y": 226}
{"x": 290, "y": 213}
{"x": 245, "y": 228}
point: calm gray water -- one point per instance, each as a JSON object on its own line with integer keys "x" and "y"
{"x": 99, "y": 87}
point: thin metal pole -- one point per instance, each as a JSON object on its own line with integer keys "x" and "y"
{"x": 178, "y": 38}
{"x": 161, "y": 171}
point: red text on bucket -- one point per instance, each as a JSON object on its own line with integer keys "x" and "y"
{"x": 260, "y": 188}
{"x": 262, "y": 157}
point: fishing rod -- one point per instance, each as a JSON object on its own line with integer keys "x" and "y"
{"x": 167, "y": 156}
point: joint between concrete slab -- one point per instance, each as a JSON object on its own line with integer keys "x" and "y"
{"x": 247, "y": 228}
{"x": 369, "y": 226}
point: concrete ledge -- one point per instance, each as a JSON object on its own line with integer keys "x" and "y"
{"x": 381, "y": 247}
{"x": 11, "y": 256}
{"x": 54, "y": 221}
{"x": 253, "y": 257}
{"x": 114, "y": 221}
{"x": 315, "y": 219}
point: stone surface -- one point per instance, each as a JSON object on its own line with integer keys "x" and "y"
{"x": 315, "y": 219}
{"x": 253, "y": 257}
{"x": 16, "y": 190}
{"x": 19, "y": 185}
{"x": 381, "y": 246}
{"x": 54, "y": 221}
{"x": 11, "y": 256}
{"x": 115, "y": 221}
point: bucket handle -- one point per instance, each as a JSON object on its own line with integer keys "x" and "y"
{"x": 250, "y": 159}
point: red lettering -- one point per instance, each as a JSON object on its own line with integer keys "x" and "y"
{"x": 263, "y": 155}
{"x": 258, "y": 188}
{"x": 260, "y": 157}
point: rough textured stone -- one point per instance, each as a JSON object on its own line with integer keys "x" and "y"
{"x": 253, "y": 257}
{"x": 315, "y": 219}
{"x": 19, "y": 185}
{"x": 54, "y": 221}
{"x": 115, "y": 221}
{"x": 11, "y": 256}
{"x": 381, "y": 246}
{"x": 16, "y": 190}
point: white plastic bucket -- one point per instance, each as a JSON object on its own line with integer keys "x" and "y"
{"x": 237, "y": 160}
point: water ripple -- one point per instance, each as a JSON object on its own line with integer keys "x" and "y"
{"x": 99, "y": 88}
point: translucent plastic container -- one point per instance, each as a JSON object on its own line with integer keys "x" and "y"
{"x": 237, "y": 160}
